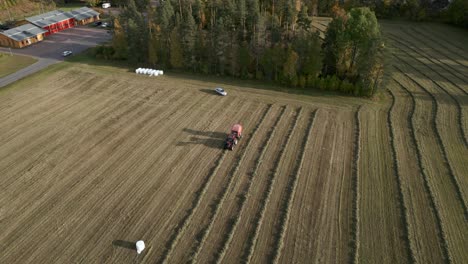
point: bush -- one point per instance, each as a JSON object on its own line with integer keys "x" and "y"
{"x": 457, "y": 13}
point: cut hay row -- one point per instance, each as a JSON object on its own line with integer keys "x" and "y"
{"x": 270, "y": 228}
{"x": 423, "y": 217}
{"x": 285, "y": 208}
{"x": 272, "y": 178}
{"x": 183, "y": 223}
{"x": 436, "y": 111}
{"x": 433, "y": 60}
{"x": 250, "y": 211}
{"x": 162, "y": 168}
{"x": 354, "y": 242}
{"x": 100, "y": 110}
{"x": 89, "y": 175}
{"x": 228, "y": 234}
{"x": 447, "y": 201}
{"x": 458, "y": 54}
{"x": 190, "y": 237}
{"x": 401, "y": 200}
{"x": 460, "y": 114}
{"x": 448, "y": 32}
{"x": 196, "y": 166}
{"x": 26, "y": 101}
{"x": 216, "y": 206}
{"x": 148, "y": 190}
{"x": 319, "y": 227}
{"x": 57, "y": 108}
{"x": 223, "y": 223}
{"x": 205, "y": 182}
{"x": 379, "y": 215}
{"x": 104, "y": 114}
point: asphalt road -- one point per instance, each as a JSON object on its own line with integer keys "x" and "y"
{"x": 49, "y": 51}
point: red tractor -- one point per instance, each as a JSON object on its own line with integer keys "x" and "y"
{"x": 233, "y": 137}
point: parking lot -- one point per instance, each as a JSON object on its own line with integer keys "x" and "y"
{"x": 50, "y": 50}
{"x": 75, "y": 39}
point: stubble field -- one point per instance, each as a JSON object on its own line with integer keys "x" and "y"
{"x": 94, "y": 158}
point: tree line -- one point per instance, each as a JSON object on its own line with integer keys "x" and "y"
{"x": 252, "y": 39}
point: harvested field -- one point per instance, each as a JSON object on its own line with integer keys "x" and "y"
{"x": 94, "y": 158}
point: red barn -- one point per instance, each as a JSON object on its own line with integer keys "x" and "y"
{"x": 53, "y": 21}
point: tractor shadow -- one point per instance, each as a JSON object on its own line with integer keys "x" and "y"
{"x": 208, "y": 138}
{"x": 124, "y": 244}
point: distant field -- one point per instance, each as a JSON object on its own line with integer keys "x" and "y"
{"x": 94, "y": 158}
{"x": 12, "y": 63}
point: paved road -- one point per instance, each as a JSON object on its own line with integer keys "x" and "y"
{"x": 50, "y": 50}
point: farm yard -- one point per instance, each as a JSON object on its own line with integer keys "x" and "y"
{"x": 94, "y": 158}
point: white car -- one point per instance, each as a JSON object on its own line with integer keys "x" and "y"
{"x": 106, "y": 5}
{"x": 221, "y": 91}
{"x": 67, "y": 53}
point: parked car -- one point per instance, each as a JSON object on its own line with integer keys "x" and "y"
{"x": 220, "y": 91}
{"x": 106, "y": 5}
{"x": 105, "y": 24}
{"x": 97, "y": 23}
{"x": 67, "y": 53}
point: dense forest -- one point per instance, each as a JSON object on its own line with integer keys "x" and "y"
{"x": 253, "y": 40}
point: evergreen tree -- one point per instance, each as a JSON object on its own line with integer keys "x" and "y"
{"x": 142, "y": 4}
{"x": 166, "y": 16}
{"x": 290, "y": 67}
{"x": 189, "y": 30}
{"x": 176, "y": 57}
{"x": 119, "y": 41}
{"x": 303, "y": 20}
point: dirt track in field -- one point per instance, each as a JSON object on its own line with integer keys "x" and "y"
{"x": 94, "y": 158}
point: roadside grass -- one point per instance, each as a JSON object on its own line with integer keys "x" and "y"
{"x": 303, "y": 93}
{"x": 12, "y": 63}
{"x": 70, "y": 6}
{"x": 34, "y": 78}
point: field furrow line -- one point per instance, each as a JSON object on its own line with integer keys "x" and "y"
{"x": 354, "y": 243}
{"x": 42, "y": 142}
{"x": 197, "y": 226}
{"x": 26, "y": 100}
{"x": 447, "y": 32}
{"x": 147, "y": 191}
{"x": 57, "y": 110}
{"x": 84, "y": 194}
{"x": 448, "y": 204}
{"x": 252, "y": 240}
{"x": 432, "y": 60}
{"x": 427, "y": 190}
{"x": 222, "y": 195}
{"x": 459, "y": 113}
{"x": 251, "y": 208}
{"x": 401, "y": 199}
{"x": 379, "y": 214}
{"x": 285, "y": 209}
{"x": 77, "y": 167}
{"x": 439, "y": 43}
{"x": 436, "y": 129}
{"x": 183, "y": 223}
{"x": 102, "y": 117}
{"x": 243, "y": 196}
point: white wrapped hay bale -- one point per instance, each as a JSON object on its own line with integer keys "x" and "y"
{"x": 140, "y": 246}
